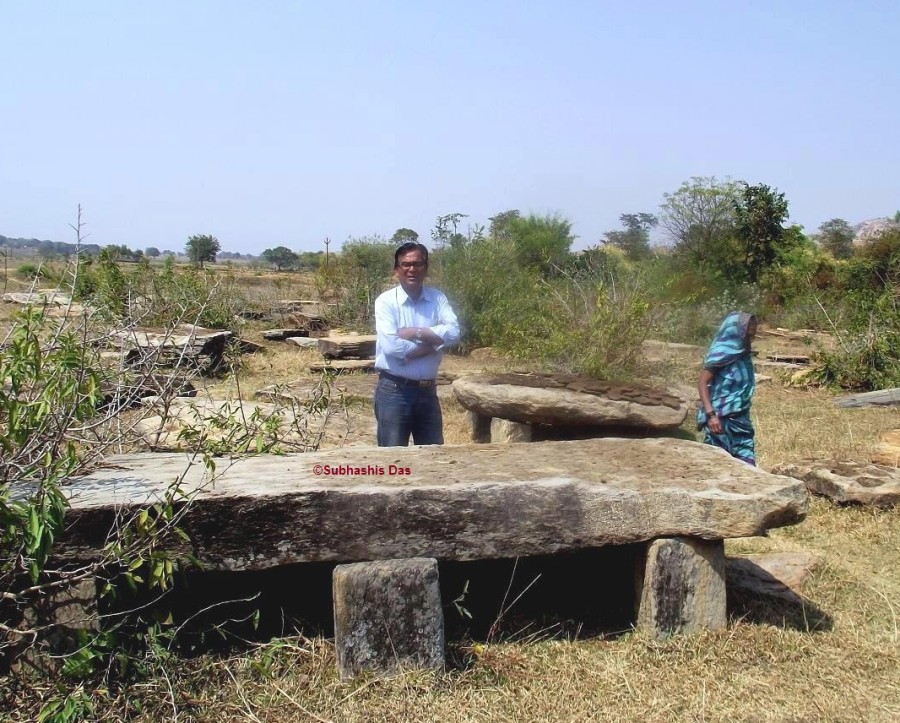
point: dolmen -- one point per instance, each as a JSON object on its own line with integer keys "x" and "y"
{"x": 386, "y": 516}
{"x": 512, "y": 407}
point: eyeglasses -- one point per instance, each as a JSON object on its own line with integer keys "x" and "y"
{"x": 412, "y": 265}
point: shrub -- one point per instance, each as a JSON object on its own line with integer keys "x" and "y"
{"x": 355, "y": 278}
{"x": 31, "y": 271}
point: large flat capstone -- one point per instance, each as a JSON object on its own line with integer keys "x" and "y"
{"x": 460, "y": 502}
{"x": 569, "y": 401}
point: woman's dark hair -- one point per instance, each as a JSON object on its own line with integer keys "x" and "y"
{"x": 407, "y": 248}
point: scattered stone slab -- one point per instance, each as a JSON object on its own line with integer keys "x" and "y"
{"x": 569, "y": 401}
{"x": 847, "y": 482}
{"x": 249, "y": 347}
{"x": 126, "y": 394}
{"x": 312, "y": 322}
{"x": 347, "y": 346}
{"x": 887, "y": 451}
{"x": 657, "y": 352}
{"x": 780, "y": 575}
{"x": 343, "y": 365}
{"x": 681, "y": 588}
{"x": 185, "y": 345}
{"x": 284, "y": 334}
{"x": 777, "y": 366}
{"x": 801, "y": 359}
{"x": 352, "y": 385}
{"x": 387, "y": 617}
{"x": 453, "y": 502}
{"x": 303, "y": 342}
{"x": 37, "y": 298}
{"x": 182, "y": 424}
{"x": 879, "y": 398}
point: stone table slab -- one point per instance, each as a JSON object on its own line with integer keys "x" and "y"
{"x": 569, "y": 401}
{"x": 454, "y": 502}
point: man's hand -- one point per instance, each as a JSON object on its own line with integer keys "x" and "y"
{"x": 420, "y": 351}
{"x": 420, "y": 334}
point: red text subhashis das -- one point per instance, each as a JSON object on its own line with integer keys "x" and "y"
{"x": 369, "y": 470}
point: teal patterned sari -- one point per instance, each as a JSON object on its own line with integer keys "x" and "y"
{"x": 731, "y": 389}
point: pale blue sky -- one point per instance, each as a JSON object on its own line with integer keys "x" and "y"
{"x": 281, "y": 123}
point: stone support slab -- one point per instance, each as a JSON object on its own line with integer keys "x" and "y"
{"x": 504, "y": 431}
{"x": 388, "y": 617}
{"x": 681, "y": 587}
{"x": 481, "y": 427}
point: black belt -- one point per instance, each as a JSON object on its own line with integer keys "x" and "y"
{"x": 404, "y": 382}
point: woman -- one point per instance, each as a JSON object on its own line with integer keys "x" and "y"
{"x": 726, "y": 388}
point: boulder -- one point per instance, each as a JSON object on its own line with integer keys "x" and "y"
{"x": 847, "y": 482}
{"x": 569, "y": 401}
{"x": 887, "y": 451}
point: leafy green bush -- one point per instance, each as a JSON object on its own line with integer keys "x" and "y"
{"x": 31, "y": 271}
{"x": 583, "y": 322}
{"x": 868, "y": 353}
{"x": 152, "y": 296}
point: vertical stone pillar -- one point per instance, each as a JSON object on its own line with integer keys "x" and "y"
{"x": 681, "y": 587}
{"x": 60, "y": 615}
{"x": 481, "y": 428}
{"x": 504, "y": 431}
{"x": 388, "y": 616}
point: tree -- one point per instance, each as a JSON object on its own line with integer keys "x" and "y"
{"x": 760, "y": 213}
{"x": 151, "y": 251}
{"x": 836, "y": 236}
{"x": 281, "y": 257}
{"x": 635, "y": 239}
{"x": 404, "y": 235}
{"x": 500, "y": 224}
{"x": 541, "y": 242}
{"x": 202, "y": 248}
{"x": 699, "y": 217}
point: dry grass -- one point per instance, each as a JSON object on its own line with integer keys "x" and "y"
{"x": 845, "y": 667}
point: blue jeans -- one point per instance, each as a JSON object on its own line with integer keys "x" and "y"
{"x": 401, "y": 411}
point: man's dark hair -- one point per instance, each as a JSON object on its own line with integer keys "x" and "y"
{"x": 407, "y": 248}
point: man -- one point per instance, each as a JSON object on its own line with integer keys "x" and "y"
{"x": 413, "y": 323}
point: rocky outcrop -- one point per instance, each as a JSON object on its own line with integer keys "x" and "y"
{"x": 866, "y": 231}
{"x": 569, "y": 401}
{"x": 847, "y": 482}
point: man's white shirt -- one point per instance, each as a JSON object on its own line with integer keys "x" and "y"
{"x": 394, "y": 309}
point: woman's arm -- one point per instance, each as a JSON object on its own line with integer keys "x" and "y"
{"x": 712, "y": 419}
